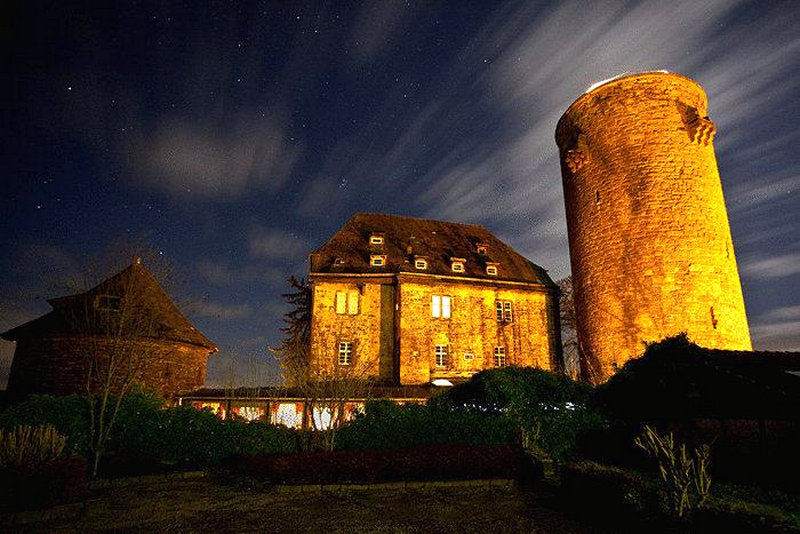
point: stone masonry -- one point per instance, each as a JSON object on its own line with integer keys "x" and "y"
{"x": 649, "y": 239}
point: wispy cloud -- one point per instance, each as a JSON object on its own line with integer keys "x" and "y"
{"x": 212, "y": 161}
{"x": 275, "y": 243}
{"x": 775, "y": 267}
{"x": 223, "y": 312}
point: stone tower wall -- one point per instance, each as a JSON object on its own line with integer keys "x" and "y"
{"x": 649, "y": 238}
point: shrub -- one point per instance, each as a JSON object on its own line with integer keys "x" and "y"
{"x": 684, "y": 475}
{"x": 551, "y": 412}
{"x": 28, "y": 447}
{"x": 605, "y": 491}
{"x": 742, "y": 516}
{"x": 60, "y": 480}
{"x": 423, "y": 463}
{"x": 386, "y": 425}
{"x": 68, "y": 415}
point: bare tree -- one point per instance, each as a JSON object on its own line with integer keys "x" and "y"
{"x": 569, "y": 335}
{"x": 118, "y": 322}
{"x": 327, "y": 388}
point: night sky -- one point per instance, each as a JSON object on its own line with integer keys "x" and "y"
{"x": 237, "y": 137}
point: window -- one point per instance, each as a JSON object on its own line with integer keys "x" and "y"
{"x": 482, "y": 248}
{"x": 376, "y": 239}
{"x": 440, "y": 306}
{"x": 491, "y": 269}
{"x": 504, "y": 313}
{"x": 338, "y": 262}
{"x": 457, "y": 266}
{"x": 347, "y": 302}
{"x": 441, "y": 355}
{"x": 345, "y": 352}
{"x": 499, "y": 356}
{"x": 108, "y": 302}
{"x": 468, "y": 356}
{"x": 421, "y": 264}
{"x": 377, "y": 260}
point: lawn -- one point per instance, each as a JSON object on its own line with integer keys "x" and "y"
{"x": 203, "y": 505}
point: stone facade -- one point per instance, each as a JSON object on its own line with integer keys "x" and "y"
{"x": 649, "y": 239}
{"x": 394, "y": 330}
{"x": 59, "y": 365}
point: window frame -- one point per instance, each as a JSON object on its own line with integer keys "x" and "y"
{"x": 458, "y": 267}
{"x": 348, "y": 297}
{"x": 438, "y": 306}
{"x": 504, "y": 311}
{"x": 441, "y": 355}
{"x": 421, "y": 264}
{"x": 377, "y": 257}
{"x": 500, "y": 356}
{"x": 346, "y": 349}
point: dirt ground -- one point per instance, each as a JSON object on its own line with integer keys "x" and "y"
{"x": 202, "y": 505}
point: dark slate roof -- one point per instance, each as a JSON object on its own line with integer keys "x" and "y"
{"x": 437, "y": 241}
{"x": 156, "y": 316}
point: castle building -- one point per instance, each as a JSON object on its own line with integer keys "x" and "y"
{"x": 649, "y": 239}
{"x": 128, "y": 322}
{"x": 406, "y": 301}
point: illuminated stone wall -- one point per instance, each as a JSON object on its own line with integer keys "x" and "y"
{"x": 649, "y": 238}
{"x": 370, "y": 330}
{"x": 58, "y": 365}
{"x": 395, "y": 332}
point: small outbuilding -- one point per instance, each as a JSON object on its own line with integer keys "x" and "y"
{"x": 126, "y": 331}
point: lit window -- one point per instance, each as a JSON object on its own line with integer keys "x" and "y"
{"x": 376, "y": 239}
{"x": 469, "y": 356}
{"x": 347, "y": 302}
{"x": 345, "y": 352}
{"x": 491, "y": 269}
{"x": 482, "y": 248}
{"x": 504, "y": 311}
{"x": 338, "y": 262}
{"x": 499, "y": 356}
{"x": 457, "y": 266}
{"x": 441, "y": 355}
{"x": 377, "y": 260}
{"x": 440, "y": 306}
{"x": 108, "y": 302}
{"x": 421, "y": 264}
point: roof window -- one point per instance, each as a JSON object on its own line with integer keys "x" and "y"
{"x": 482, "y": 248}
{"x": 457, "y": 265}
{"x": 420, "y": 263}
{"x": 376, "y": 238}
{"x": 491, "y": 269}
{"x": 377, "y": 260}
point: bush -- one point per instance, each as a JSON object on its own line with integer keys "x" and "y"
{"x": 386, "y": 425}
{"x": 29, "y": 447}
{"x": 550, "y": 411}
{"x": 424, "y": 463}
{"x": 604, "y": 491}
{"x": 58, "y": 481}
{"x": 741, "y": 516}
{"x": 68, "y": 415}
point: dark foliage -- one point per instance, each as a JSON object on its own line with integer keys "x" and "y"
{"x": 386, "y": 425}
{"x": 551, "y": 411}
{"x": 60, "y": 481}
{"x": 423, "y": 463}
{"x": 149, "y": 435}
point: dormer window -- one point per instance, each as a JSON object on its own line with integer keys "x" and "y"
{"x": 457, "y": 265}
{"x": 377, "y": 260}
{"x": 420, "y": 264}
{"x": 376, "y": 238}
{"x": 338, "y": 262}
{"x": 108, "y": 302}
{"x": 491, "y": 269}
{"x": 482, "y": 249}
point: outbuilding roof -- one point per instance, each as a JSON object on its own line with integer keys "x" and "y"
{"x": 406, "y": 239}
{"x": 144, "y": 310}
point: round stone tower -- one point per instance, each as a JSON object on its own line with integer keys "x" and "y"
{"x": 649, "y": 239}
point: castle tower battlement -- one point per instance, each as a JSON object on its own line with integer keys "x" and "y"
{"x": 649, "y": 238}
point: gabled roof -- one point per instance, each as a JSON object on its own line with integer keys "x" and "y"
{"x": 147, "y": 312}
{"x": 406, "y": 238}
